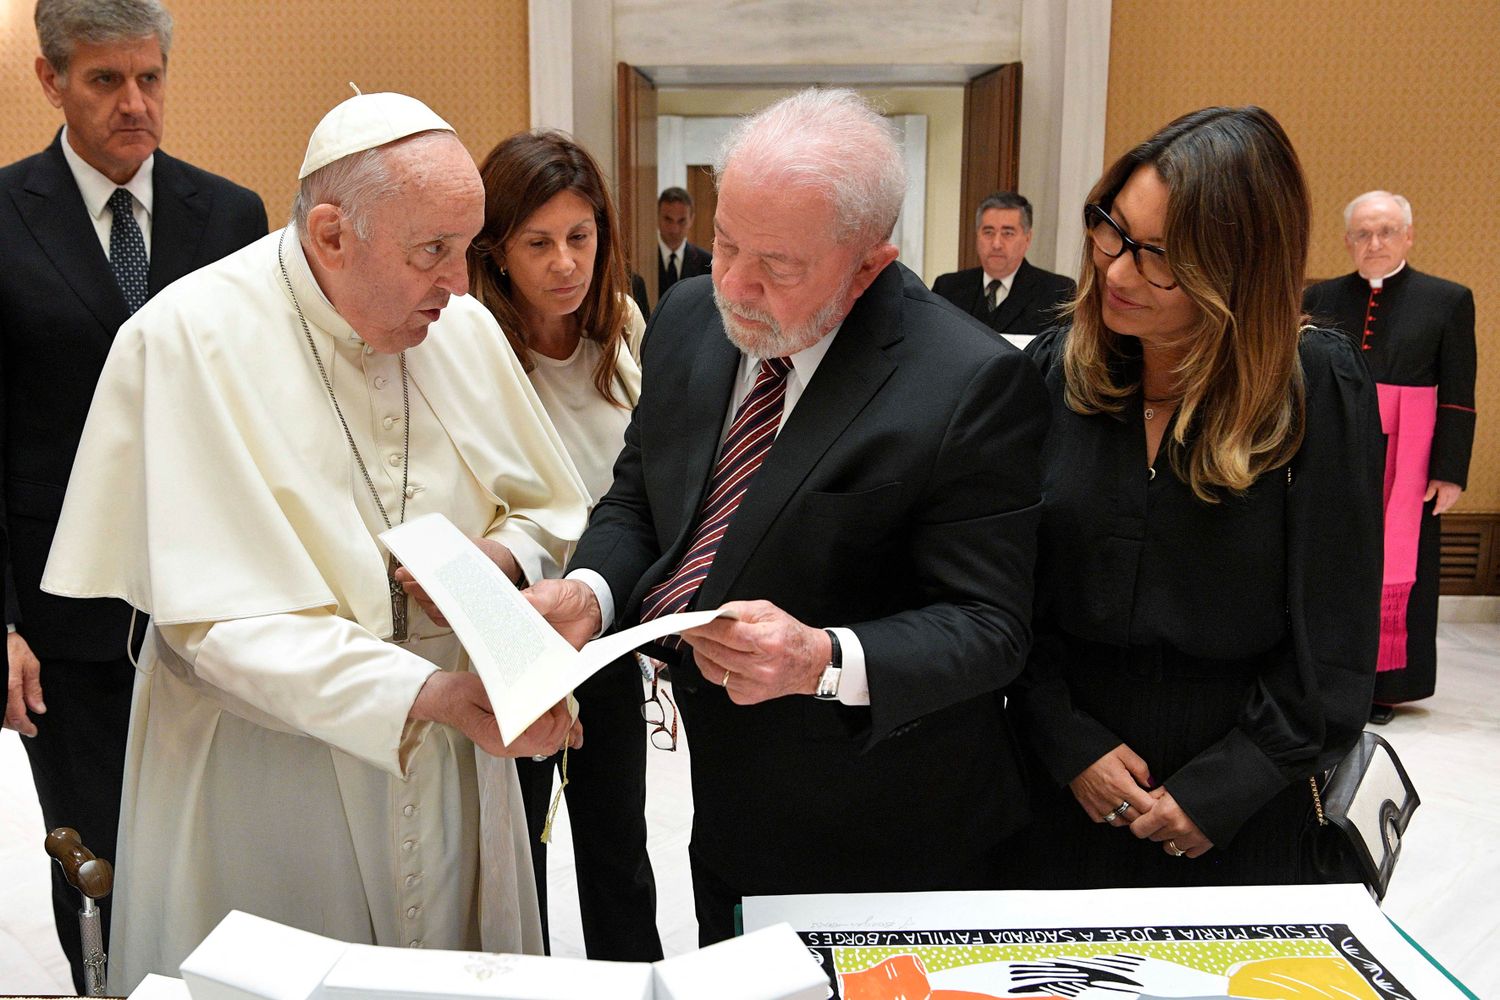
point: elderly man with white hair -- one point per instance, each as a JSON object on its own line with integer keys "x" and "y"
{"x": 1416, "y": 332}
{"x": 302, "y": 744}
{"x": 831, "y": 451}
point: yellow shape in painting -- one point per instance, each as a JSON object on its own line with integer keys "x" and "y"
{"x": 1299, "y": 979}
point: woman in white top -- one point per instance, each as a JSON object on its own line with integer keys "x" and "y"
{"x": 550, "y": 266}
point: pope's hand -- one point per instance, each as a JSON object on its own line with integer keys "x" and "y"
{"x": 1445, "y": 493}
{"x": 498, "y": 553}
{"x": 761, "y": 653}
{"x": 570, "y": 606}
{"x": 23, "y": 689}
{"x": 459, "y": 700}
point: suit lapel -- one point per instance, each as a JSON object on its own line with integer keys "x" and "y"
{"x": 1022, "y": 288}
{"x": 700, "y": 421}
{"x": 853, "y": 370}
{"x": 179, "y": 216}
{"x": 54, "y": 212}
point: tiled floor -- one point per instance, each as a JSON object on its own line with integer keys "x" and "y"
{"x": 1443, "y": 894}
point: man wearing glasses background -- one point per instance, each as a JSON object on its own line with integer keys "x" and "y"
{"x": 1416, "y": 332}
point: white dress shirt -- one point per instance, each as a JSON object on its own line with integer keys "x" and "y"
{"x": 854, "y": 684}
{"x": 96, "y": 190}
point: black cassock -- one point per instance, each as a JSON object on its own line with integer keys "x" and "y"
{"x": 1415, "y": 330}
{"x": 1231, "y": 645}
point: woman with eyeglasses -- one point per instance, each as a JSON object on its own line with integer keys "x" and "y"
{"x": 1208, "y": 578}
{"x": 550, "y": 265}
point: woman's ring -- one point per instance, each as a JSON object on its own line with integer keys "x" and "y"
{"x": 1123, "y": 808}
{"x": 539, "y": 757}
{"x": 1174, "y": 850}
{"x": 724, "y": 681}
{"x": 1110, "y": 817}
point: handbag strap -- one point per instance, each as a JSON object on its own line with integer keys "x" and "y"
{"x": 1312, "y": 782}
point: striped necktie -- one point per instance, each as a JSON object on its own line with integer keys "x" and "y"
{"x": 993, "y": 293}
{"x": 127, "y": 250}
{"x": 750, "y": 438}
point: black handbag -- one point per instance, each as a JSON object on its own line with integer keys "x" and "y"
{"x": 1360, "y": 812}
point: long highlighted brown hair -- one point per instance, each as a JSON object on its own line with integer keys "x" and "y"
{"x": 1236, "y": 237}
{"x": 520, "y": 175}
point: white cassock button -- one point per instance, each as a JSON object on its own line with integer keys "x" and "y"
{"x": 389, "y": 422}
{"x": 411, "y": 880}
{"x": 412, "y": 491}
{"x": 409, "y": 811}
{"x": 395, "y": 460}
{"x": 369, "y": 349}
{"x": 409, "y": 846}
{"x": 411, "y": 911}
{"x": 380, "y": 381}
{"x": 414, "y": 944}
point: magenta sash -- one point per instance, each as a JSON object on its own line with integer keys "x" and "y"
{"x": 1408, "y": 416}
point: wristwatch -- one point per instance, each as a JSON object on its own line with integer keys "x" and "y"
{"x": 828, "y": 684}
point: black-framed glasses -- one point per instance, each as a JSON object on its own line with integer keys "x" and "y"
{"x": 1110, "y": 240}
{"x": 658, "y": 708}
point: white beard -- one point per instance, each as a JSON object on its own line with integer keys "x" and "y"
{"x": 774, "y": 341}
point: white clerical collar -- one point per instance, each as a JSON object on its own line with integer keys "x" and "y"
{"x": 96, "y": 188}
{"x": 667, "y": 252}
{"x": 1005, "y": 281}
{"x": 316, "y": 308}
{"x": 1380, "y": 281}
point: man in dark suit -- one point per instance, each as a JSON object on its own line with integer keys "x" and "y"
{"x": 1006, "y": 292}
{"x": 852, "y": 469}
{"x": 92, "y": 226}
{"x": 676, "y": 258}
{"x": 1416, "y": 332}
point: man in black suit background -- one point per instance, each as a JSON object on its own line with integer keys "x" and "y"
{"x": 91, "y": 227}
{"x": 1006, "y": 292}
{"x": 825, "y": 447}
{"x": 676, "y": 258}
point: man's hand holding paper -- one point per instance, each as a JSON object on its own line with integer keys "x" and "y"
{"x": 758, "y": 652}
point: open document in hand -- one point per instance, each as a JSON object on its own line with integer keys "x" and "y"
{"x": 525, "y": 665}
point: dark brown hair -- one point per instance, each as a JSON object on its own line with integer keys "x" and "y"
{"x": 520, "y": 175}
{"x": 1236, "y": 235}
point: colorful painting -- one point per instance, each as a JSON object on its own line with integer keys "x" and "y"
{"x": 1242, "y": 943}
{"x": 1315, "y": 962}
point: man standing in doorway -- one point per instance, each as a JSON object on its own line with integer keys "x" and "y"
{"x": 1006, "y": 292}
{"x": 676, "y": 257}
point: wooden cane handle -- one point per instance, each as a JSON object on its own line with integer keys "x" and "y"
{"x": 94, "y": 877}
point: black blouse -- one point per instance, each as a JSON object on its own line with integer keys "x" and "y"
{"x": 1287, "y": 575}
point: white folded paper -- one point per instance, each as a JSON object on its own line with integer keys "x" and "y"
{"x": 768, "y": 964}
{"x": 366, "y": 972}
{"x": 525, "y": 665}
{"x": 155, "y": 987}
{"x": 249, "y": 958}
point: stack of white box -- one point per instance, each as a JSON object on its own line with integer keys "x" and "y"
{"x": 248, "y": 958}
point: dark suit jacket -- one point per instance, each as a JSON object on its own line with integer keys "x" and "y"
{"x": 695, "y": 261}
{"x": 901, "y": 499}
{"x": 1029, "y": 308}
{"x": 638, "y": 292}
{"x": 59, "y": 309}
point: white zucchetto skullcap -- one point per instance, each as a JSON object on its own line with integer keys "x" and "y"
{"x": 364, "y": 122}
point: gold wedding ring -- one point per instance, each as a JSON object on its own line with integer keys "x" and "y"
{"x": 1174, "y": 850}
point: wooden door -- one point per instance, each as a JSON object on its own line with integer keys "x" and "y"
{"x": 991, "y": 147}
{"x": 635, "y": 169}
{"x": 700, "y": 184}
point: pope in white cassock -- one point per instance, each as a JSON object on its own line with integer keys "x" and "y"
{"x": 302, "y": 743}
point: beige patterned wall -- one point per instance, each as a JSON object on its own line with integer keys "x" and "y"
{"x": 248, "y": 80}
{"x": 1380, "y": 93}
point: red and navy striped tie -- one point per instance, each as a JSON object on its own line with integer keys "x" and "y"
{"x": 750, "y": 438}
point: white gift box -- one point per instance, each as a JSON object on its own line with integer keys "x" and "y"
{"x": 769, "y": 964}
{"x": 249, "y": 958}
{"x": 365, "y": 972}
{"x": 155, "y": 987}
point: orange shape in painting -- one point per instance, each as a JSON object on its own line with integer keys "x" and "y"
{"x": 904, "y": 977}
